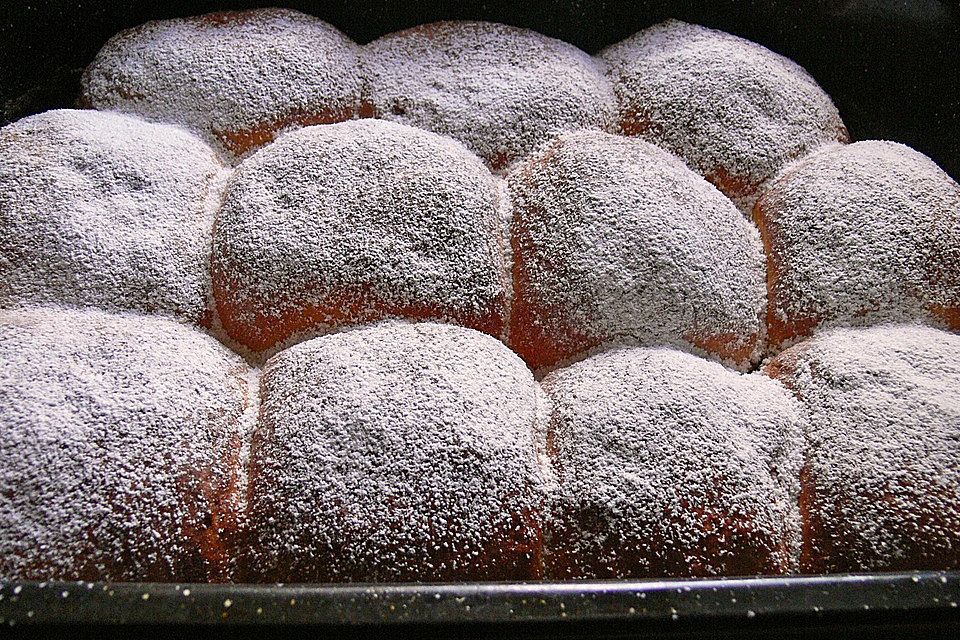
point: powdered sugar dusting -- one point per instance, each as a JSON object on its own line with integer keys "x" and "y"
{"x": 339, "y": 224}
{"x": 133, "y": 446}
{"x": 734, "y": 110}
{"x": 671, "y": 465}
{"x": 397, "y": 452}
{"x": 615, "y": 238}
{"x": 118, "y": 448}
{"x": 500, "y": 90}
{"x": 882, "y": 483}
{"x": 505, "y": 248}
{"x": 105, "y": 210}
{"x": 235, "y": 77}
{"x": 861, "y": 232}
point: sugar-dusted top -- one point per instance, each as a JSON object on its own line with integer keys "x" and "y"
{"x": 616, "y": 238}
{"x": 883, "y": 405}
{"x": 733, "y": 110}
{"x": 120, "y": 436}
{"x": 398, "y": 451}
{"x": 859, "y": 232}
{"x": 105, "y": 210}
{"x": 685, "y": 462}
{"x": 236, "y": 77}
{"x": 337, "y": 224}
{"x": 500, "y": 90}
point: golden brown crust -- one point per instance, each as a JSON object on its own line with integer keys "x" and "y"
{"x": 780, "y": 330}
{"x": 263, "y": 331}
{"x": 537, "y": 332}
{"x": 242, "y": 142}
{"x": 727, "y": 346}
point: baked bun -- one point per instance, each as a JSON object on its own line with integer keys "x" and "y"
{"x": 671, "y": 466}
{"x": 397, "y": 452}
{"x": 237, "y": 77}
{"x": 105, "y": 210}
{"x": 341, "y": 224}
{"x": 615, "y": 239}
{"x": 881, "y": 482}
{"x": 860, "y": 232}
{"x": 733, "y": 110}
{"x": 499, "y": 90}
{"x": 121, "y": 448}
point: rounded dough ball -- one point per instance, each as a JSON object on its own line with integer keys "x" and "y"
{"x": 397, "y": 452}
{"x": 235, "y": 77}
{"x": 341, "y": 224}
{"x": 881, "y": 483}
{"x": 500, "y": 90}
{"x": 105, "y": 210}
{"x": 733, "y": 110}
{"x": 671, "y": 466}
{"x": 615, "y": 239}
{"x": 120, "y": 454}
{"x": 858, "y": 233}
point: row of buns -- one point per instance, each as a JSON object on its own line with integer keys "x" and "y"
{"x": 734, "y": 110}
{"x": 594, "y": 238}
{"x": 138, "y": 448}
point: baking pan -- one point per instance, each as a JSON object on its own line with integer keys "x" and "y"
{"x": 867, "y": 605}
{"x": 893, "y": 69}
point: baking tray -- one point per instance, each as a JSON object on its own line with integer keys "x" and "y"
{"x": 866, "y": 605}
{"x": 893, "y": 69}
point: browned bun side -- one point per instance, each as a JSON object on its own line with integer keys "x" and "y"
{"x": 380, "y": 220}
{"x": 616, "y": 240}
{"x": 783, "y": 327}
{"x": 880, "y": 486}
{"x": 241, "y": 142}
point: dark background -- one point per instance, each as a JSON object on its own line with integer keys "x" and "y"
{"x": 891, "y": 66}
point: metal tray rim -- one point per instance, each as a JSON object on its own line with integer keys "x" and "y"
{"x": 746, "y": 599}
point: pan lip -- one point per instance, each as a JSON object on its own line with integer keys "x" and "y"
{"x": 767, "y": 599}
